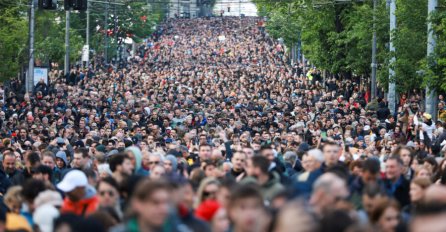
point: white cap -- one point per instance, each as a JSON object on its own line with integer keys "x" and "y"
{"x": 72, "y": 180}
{"x": 367, "y": 127}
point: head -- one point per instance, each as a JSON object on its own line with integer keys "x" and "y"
{"x": 74, "y": 185}
{"x": 394, "y": 168}
{"x": 238, "y": 161}
{"x": 370, "y": 170}
{"x": 418, "y": 188}
{"x": 386, "y": 215}
{"x": 208, "y": 189}
{"x": 81, "y": 158}
{"x": 204, "y": 151}
{"x": 331, "y": 153}
{"x": 151, "y": 202}
{"x": 246, "y": 209}
{"x": 108, "y": 192}
{"x": 267, "y": 152}
{"x": 9, "y": 163}
{"x": 328, "y": 190}
{"x": 312, "y": 160}
{"x": 371, "y": 195}
{"x": 121, "y": 164}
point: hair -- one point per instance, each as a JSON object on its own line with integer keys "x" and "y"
{"x": 83, "y": 151}
{"x": 261, "y": 162}
{"x": 205, "y": 182}
{"x": 432, "y": 161}
{"x": 32, "y": 188}
{"x": 329, "y": 143}
{"x": 13, "y": 195}
{"x": 242, "y": 192}
{"x": 110, "y": 181}
{"x": 371, "y": 165}
{"x": 373, "y": 189}
{"x": 49, "y": 154}
{"x": 381, "y": 207}
{"x": 146, "y": 188}
{"x": 397, "y": 159}
{"x": 204, "y": 145}
{"x": 117, "y": 160}
{"x": 316, "y": 154}
{"x": 33, "y": 158}
{"x": 423, "y": 182}
{"x": 290, "y": 156}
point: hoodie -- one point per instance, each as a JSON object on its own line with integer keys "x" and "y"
{"x": 138, "y": 160}
{"x": 85, "y": 206}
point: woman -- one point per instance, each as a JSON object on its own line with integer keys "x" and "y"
{"x": 423, "y": 172}
{"x": 431, "y": 164}
{"x": 386, "y": 215}
{"x": 108, "y": 193}
{"x": 207, "y": 190}
{"x": 418, "y": 188}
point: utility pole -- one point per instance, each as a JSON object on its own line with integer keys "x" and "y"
{"x": 29, "y": 82}
{"x": 106, "y": 32}
{"x": 87, "y": 37}
{"x": 115, "y": 30}
{"x": 431, "y": 98}
{"x": 67, "y": 42}
{"x": 391, "y": 98}
{"x": 373, "y": 65}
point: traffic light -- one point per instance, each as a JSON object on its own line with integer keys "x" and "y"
{"x": 80, "y": 5}
{"x": 48, "y": 4}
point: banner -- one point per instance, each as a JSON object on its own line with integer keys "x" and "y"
{"x": 85, "y": 53}
{"x": 39, "y": 74}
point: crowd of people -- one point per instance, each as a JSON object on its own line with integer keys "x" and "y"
{"x": 210, "y": 127}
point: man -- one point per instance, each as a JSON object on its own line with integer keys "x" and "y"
{"x": 395, "y": 183}
{"x": 246, "y": 210}
{"x": 429, "y": 218}
{"x": 151, "y": 203}
{"x": 80, "y": 198}
{"x": 370, "y": 174}
{"x": 328, "y": 190}
{"x": 14, "y": 175}
{"x": 121, "y": 167}
{"x": 81, "y": 159}
{"x": 311, "y": 162}
{"x": 269, "y": 181}
{"x": 331, "y": 152}
{"x": 238, "y": 165}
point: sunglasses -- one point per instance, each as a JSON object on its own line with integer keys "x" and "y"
{"x": 154, "y": 162}
{"x": 110, "y": 193}
{"x": 208, "y": 194}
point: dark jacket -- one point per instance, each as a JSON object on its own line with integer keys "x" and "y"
{"x": 399, "y": 190}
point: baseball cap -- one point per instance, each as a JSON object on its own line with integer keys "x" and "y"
{"x": 72, "y": 180}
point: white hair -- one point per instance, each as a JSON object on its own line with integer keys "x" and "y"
{"x": 316, "y": 154}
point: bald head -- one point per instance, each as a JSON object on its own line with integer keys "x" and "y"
{"x": 436, "y": 194}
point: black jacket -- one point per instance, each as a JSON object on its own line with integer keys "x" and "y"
{"x": 399, "y": 190}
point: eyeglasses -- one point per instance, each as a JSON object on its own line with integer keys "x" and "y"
{"x": 154, "y": 162}
{"x": 110, "y": 193}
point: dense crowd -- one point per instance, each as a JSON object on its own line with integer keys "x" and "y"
{"x": 210, "y": 127}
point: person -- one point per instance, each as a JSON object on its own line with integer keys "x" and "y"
{"x": 49, "y": 160}
{"x": 150, "y": 205}
{"x": 135, "y": 155}
{"x": 81, "y": 159}
{"x": 246, "y": 210}
{"x": 331, "y": 152}
{"x": 385, "y": 216}
{"x": 238, "y": 165}
{"x": 311, "y": 163}
{"x": 429, "y": 218}
{"x": 369, "y": 174}
{"x": 14, "y": 176}
{"x": 269, "y": 182}
{"x": 170, "y": 164}
{"x": 81, "y": 198}
{"x": 207, "y": 190}
{"x": 121, "y": 167}
{"x": 395, "y": 182}
{"x": 328, "y": 190}
{"x": 13, "y": 199}
{"x": 418, "y": 187}
{"x": 108, "y": 195}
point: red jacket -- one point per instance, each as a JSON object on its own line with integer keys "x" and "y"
{"x": 82, "y": 207}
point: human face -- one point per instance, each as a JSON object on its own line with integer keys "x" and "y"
{"x": 331, "y": 153}
{"x": 405, "y": 156}
{"x": 153, "y": 161}
{"x": 157, "y": 172}
{"x": 393, "y": 170}
{"x": 48, "y": 161}
{"x": 209, "y": 170}
{"x": 238, "y": 161}
{"x": 220, "y": 221}
{"x": 205, "y": 153}
{"x": 167, "y": 165}
{"x": 210, "y": 192}
{"x": 78, "y": 160}
{"x": 154, "y": 210}
{"x": 9, "y": 164}
{"x": 77, "y": 194}
{"x": 223, "y": 196}
{"x": 416, "y": 192}
{"x": 127, "y": 167}
{"x": 108, "y": 195}
{"x": 245, "y": 214}
{"x": 389, "y": 220}
{"x": 269, "y": 154}
{"x": 369, "y": 203}
{"x": 423, "y": 172}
